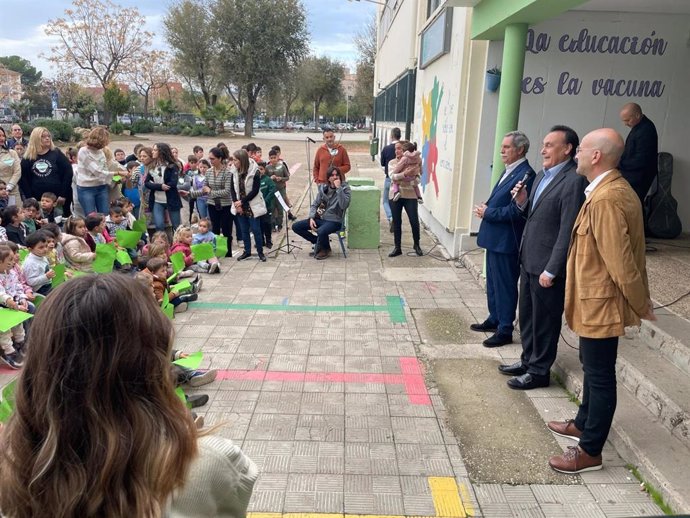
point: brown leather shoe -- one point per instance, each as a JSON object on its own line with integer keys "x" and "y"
{"x": 565, "y": 429}
{"x": 575, "y": 460}
{"x": 322, "y": 254}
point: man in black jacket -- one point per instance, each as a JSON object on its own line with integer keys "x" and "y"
{"x": 639, "y": 161}
{"x": 388, "y": 154}
{"x": 553, "y": 204}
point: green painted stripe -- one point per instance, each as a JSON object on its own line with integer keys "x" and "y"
{"x": 393, "y": 307}
{"x": 396, "y": 310}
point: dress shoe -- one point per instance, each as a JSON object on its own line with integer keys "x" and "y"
{"x": 196, "y": 400}
{"x": 262, "y": 257}
{"x": 528, "y": 381}
{"x": 514, "y": 369}
{"x": 497, "y": 340}
{"x": 575, "y": 460}
{"x": 565, "y": 429}
{"x": 243, "y": 256}
{"x": 418, "y": 250}
{"x": 321, "y": 255}
{"x": 395, "y": 252}
{"x": 484, "y": 327}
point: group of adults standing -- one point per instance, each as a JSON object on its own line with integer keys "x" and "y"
{"x": 573, "y": 237}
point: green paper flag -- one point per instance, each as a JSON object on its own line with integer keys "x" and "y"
{"x": 167, "y": 308}
{"x": 202, "y": 252}
{"x": 117, "y": 178}
{"x": 140, "y": 225}
{"x": 105, "y": 258}
{"x": 127, "y": 238}
{"x": 221, "y": 246}
{"x": 11, "y": 317}
{"x": 7, "y": 404}
{"x": 59, "y": 278}
{"x": 191, "y": 362}
{"x": 23, "y": 252}
{"x": 123, "y": 257}
{"x": 38, "y": 299}
{"x": 181, "y": 286}
{"x": 180, "y": 393}
{"x": 177, "y": 260}
{"x": 77, "y": 273}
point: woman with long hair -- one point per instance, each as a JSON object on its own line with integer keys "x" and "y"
{"x": 406, "y": 194}
{"x": 248, "y": 202}
{"x": 161, "y": 180}
{"x": 97, "y": 428}
{"x": 94, "y": 174}
{"x": 10, "y": 168}
{"x": 46, "y": 169}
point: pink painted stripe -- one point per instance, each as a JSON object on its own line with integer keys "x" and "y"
{"x": 411, "y": 378}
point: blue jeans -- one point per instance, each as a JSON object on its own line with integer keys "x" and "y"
{"x": 202, "y": 207}
{"x": 386, "y": 201}
{"x": 159, "y": 216}
{"x": 323, "y": 230}
{"x": 94, "y": 199}
{"x": 255, "y": 224}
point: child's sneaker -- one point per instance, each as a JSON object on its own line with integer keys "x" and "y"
{"x": 180, "y": 308}
{"x": 196, "y": 286}
{"x": 199, "y": 378}
{"x": 396, "y": 196}
{"x": 12, "y": 360}
{"x": 420, "y": 201}
{"x": 198, "y": 421}
{"x": 20, "y": 350}
{"x": 214, "y": 268}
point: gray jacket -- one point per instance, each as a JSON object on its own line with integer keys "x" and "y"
{"x": 336, "y": 202}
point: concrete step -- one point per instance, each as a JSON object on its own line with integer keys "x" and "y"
{"x": 670, "y": 335}
{"x": 643, "y": 440}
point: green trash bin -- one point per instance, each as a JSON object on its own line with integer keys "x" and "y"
{"x": 374, "y": 147}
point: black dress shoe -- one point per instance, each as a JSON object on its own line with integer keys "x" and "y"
{"x": 196, "y": 400}
{"x": 497, "y": 340}
{"x": 484, "y": 327}
{"x": 243, "y": 256}
{"x": 528, "y": 381}
{"x": 262, "y": 258}
{"x": 514, "y": 369}
{"x": 418, "y": 250}
{"x": 395, "y": 252}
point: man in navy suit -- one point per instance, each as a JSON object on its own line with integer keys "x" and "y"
{"x": 500, "y": 233}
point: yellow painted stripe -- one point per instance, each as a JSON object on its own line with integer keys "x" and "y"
{"x": 466, "y": 500}
{"x": 444, "y": 492}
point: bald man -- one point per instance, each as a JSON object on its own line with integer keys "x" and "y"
{"x": 638, "y": 164}
{"x": 606, "y": 290}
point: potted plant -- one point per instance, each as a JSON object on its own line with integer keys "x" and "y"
{"x": 493, "y": 79}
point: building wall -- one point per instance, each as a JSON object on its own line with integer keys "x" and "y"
{"x": 571, "y": 87}
{"x": 398, "y": 47}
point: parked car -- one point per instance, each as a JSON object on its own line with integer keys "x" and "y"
{"x": 126, "y": 119}
{"x": 199, "y": 121}
{"x": 299, "y": 126}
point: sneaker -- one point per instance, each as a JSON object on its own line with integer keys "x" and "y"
{"x": 196, "y": 400}
{"x": 12, "y": 360}
{"x": 180, "y": 308}
{"x": 420, "y": 201}
{"x": 244, "y": 256}
{"x": 396, "y": 196}
{"x": 189, "y": 297}
{"x": 199, "y": 378}
{"x": 198, "y": 421}
{"x": 214, "y": 268}
{"x": 196, "y": 286}
{"x": 575, "y": 460}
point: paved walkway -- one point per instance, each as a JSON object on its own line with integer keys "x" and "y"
{"x": 322, "y": 383}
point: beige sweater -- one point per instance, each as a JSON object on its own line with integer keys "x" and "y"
{"x": 219, "y": 483}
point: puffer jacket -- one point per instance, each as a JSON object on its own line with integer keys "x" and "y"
{"x": 77, "y": 252}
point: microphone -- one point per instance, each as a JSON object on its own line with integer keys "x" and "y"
{"x": 311, "y": 140}
{"x": 524, "y": 179}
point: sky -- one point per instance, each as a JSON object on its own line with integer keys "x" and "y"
{"x": 332, "y": 25}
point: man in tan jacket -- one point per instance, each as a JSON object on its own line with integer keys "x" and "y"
{"x": 606, "y": 290}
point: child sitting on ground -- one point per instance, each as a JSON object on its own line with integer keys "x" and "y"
{"x": 17, "y": 273}
{"x": 115, "y": 220}
{"x": 157, "y": 268}
{"x": 14, "y": 283}
{"x": 55, "y": 253}
{"x": 183, "y": 243}
{"x": 96, "y": 231}
{"x": 410, "y": 166}
{"x": 4, "y": 196}
{"x": 12, "y": 220}
{"x": 50, "y": 212}
{"x": 78, "y": 253}
{"x": 31, "y": 214}
{"x": 206, "y": 236}
{"x": 36, "y": 267}
{"x": 9, "y": 354}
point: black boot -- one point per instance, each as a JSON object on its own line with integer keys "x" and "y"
{"x": 418, "y": 250}
{"x": 395, "y": 252}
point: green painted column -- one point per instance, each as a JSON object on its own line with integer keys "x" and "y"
{"x": 360, "y": 180}
{"x": 512, "y": 70}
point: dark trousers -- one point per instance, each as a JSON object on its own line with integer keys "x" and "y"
{"x": 191, "y": 209}
{"x": 594, "y": 418}
{"x": 253, "y": 224}
{"x": 267, "y": 228}
{"x": 323, "y": 230}
{"x": 541, "y": 311}
{"x": 411, "y": 208}
{"x": 502, "y": 273}
{"x": 221, "y": 222}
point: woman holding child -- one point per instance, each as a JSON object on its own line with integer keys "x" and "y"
{"x": 102, "y": 432}
{"x": 405, "y": 194}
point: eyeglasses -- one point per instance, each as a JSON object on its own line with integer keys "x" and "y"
{"x": 580, "y": 148}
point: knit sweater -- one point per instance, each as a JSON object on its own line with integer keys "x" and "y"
{"x": 219, "y": 483}
{"x": 92, "y": 168}
{"x": 35, "y": 269}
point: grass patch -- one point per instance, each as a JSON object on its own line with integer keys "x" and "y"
{"x": 571, "y": 396}
{"x": 651, "y": 491}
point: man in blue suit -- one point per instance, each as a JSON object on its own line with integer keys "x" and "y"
{"x": 500, "y": 233}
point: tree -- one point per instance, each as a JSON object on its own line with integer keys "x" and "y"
{"x": 30, "y": 76}
{"x": 99, "y": 38}
{"x": 194, "y": 51}
{"x": 365, "y": 42}
{"x": 166, "y": 108}
{"x": 116, "y": 101}
{"x": 150, "y": 73}
{"x": 73, "y": 97}
{"x": 258, "y": 42}
{"x": 21, "y": 108}
{"x": 321, "y": 80}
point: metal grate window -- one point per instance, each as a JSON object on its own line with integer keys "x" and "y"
{"x": 396, "y": 101}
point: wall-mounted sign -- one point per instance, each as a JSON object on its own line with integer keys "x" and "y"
{"x": 436, "y": 38}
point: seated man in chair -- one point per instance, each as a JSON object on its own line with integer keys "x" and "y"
{"x": 326, "y": 214}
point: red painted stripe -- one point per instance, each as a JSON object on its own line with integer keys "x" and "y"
{"x": 411, "y": 377}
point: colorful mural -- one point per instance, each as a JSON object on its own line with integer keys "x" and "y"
{"x": 430, "y": 104}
